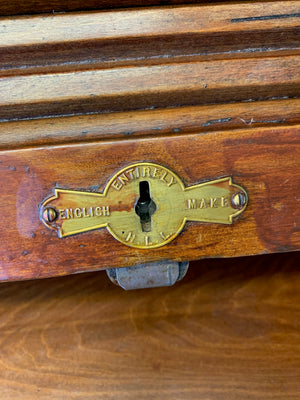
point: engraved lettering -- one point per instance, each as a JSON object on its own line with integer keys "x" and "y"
{"x": 77, "y": 213}
{"x": 84, "y": 212}
{"x": 123, "y": 179}
{"x": 116, "y": 185}
{"x": 202, "y": 203}
{"x": 164, "y": 237}
{"x": 105, "y": 211}
{"x": 69, "y": 213}
{"x": 207, "y": 202}
{"x": 213, "y": 202}
{"x": 172, "y": 181}
{"x": 154, "y": 173}
{"x": 146, "y": 172}
{"x": 224, "y": 202}
{"x": 192, "y": 203}
{"x": 62, "y": 214}
{"x": 98, "y": 211}
{"x": 162, "y": 178}
{"x": 129, "y": 171}
{"x": 130, "y": 237}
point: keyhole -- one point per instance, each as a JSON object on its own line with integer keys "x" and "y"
{"x": 145, "y": 207}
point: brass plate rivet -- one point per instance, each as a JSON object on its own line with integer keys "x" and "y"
{"x": 238, "y": 200}
{"x": 50, "y": 214}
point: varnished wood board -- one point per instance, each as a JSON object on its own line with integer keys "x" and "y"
{"x": 148, "y": 123}
{"x": 146, "y": 87}
{"x": 146, "y": 58}
{"x": 230, "y": 330}
{"x": 265, "y": 161}
{"x": 19, "y": 7}
{"x": 163, "y": 21}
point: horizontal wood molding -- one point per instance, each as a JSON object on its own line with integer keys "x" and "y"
{"x": 147, "y": 123}
{"x": 80, "y": 63}
{"x": 265, "y": 161}
{"x": 164, "y": 21}
{"x": 17, "y": 7}
{"x": 143, "y": 87}
{"x": 106, "y": 39}
{"x": 110, "y": 61}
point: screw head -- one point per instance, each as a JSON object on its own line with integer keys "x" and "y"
{"x": 50, "y": 214}
{"x": 238, "y": 200}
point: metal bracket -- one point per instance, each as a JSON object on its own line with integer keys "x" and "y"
{"x": 148, "y": 275}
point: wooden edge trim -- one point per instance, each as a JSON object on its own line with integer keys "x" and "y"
{"x": 172, "y": 85}
{"x": 141, "y": 124}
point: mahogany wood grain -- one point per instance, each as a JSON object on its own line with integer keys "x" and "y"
{"x": 265, "y": 161}
{"x": 225, "y": 77}
{"x": 162, "y": 22}
{"x": 230, "y": 330}
{"x": 111, "y": 61}
{"x": 153, "y": 86}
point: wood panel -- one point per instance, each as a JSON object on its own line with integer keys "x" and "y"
{"x": 154, "y": 22}
{"x": 34, "y": 96}
{"x": 230, "y": 330}
{"x": 206, "y": 90}
{"x": 265, "y": 161}
{"x": 17, "y": 7}
{"x": 148, "y": 123}
{"x": 162, "y": 57}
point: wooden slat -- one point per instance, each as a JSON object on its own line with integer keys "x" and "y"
{"x": 90, "y": 40}
{"x": 149, "y": 123}
{"x": 230, "y": 330}
{"x": 136, "y": 23}
{"x": 265, "y": 161}
{"x": 17, "y": 7}
{"x": 134, "y": 59}
{"x": 153, "y": 86}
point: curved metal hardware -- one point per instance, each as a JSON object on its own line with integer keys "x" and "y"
{"x": 148, "y": 275}
{"x": 144, "y": 205}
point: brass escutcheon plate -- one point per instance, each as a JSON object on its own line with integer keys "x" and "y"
{"x": 72, "y": 212}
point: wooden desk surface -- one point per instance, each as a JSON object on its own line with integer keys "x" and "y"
{"x": 207, "y": 90}
{"x": 230, "y": 331}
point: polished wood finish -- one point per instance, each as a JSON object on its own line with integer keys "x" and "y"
{"x": 111, "y": 61}
{"x": 207, "y": 90}
{"x": 154, "y": 86}
{"x": 17, "y": 7}
{"x": 230, "y": 330}
{"x": 265, "y": 161}
{"x": 148, "y": 123}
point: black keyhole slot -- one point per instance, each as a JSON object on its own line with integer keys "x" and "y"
{"x": 145, "y": 207}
